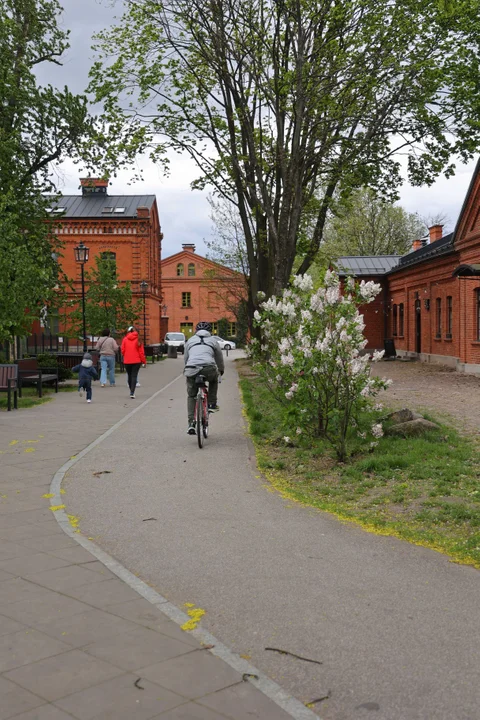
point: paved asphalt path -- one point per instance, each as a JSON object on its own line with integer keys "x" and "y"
{"x": 396, "y": 627}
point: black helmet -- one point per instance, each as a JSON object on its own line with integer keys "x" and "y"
{"x": 204, "y": 326}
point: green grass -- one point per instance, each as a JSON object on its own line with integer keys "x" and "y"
{"x": 30, "y": 396}
{"x": 424, "y": 490}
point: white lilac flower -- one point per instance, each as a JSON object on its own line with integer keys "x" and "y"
{"x": 374, "y": 444}
{"x": 289, "y": 395}
{"x": 369, "y": 290}
{"x": 362, "y": 435}
{"x": 387, "y": 382}
{"x": 299, "y": 431}
{"x": 316, "y": 302}
{"x": 287, "y": 439}
{"x": 260, "y": 295}
{"x": 378, "y": 407}
{"x": 332, "y": 295}
{"x": 284, "y": 345}
{"x": 315, "y": 371}
{"x": 306, "y": 352}
{"x": 377, "y": 430}
{"x": 303, "y": 282}
{"x": 306, "y": 315}
{"x": 294, "y": 387}
{"x": 287, "y": 359}
{"x": 257, "y": 316}
{"x": 279, "y": 378}
{"x": 378, "y": 355}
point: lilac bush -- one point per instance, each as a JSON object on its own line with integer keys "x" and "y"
{"x": 310, "y": 354}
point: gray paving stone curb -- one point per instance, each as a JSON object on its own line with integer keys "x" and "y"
{"x": 268, "y": 687}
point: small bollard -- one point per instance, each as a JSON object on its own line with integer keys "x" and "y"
{"x": 172, "y": 352}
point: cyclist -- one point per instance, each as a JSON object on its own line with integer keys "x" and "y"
{"x": 202, "y": 356}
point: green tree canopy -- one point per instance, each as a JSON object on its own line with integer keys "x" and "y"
{"x": 369, "y": 225}
{"x": 108, "y": 303}
{"x": 39, "y": 125}
{"x": 285, "y": 106}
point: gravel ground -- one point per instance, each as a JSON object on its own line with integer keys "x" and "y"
{"x": 444, "y": 392}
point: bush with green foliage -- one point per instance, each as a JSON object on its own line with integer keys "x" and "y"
{"x": 50, "y": 361}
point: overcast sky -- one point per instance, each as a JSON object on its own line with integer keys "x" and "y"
{"x": 184, "y": 214}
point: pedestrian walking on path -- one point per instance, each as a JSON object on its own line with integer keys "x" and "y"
{"x": 202, "y": 356}
{"x": 107, "y": 347}
{"x": 86, "y": 373}
{"x": 133, "y": 357}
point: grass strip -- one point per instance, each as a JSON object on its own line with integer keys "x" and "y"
{"x": 424, "y": 490}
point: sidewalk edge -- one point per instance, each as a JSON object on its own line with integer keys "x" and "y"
{"x": 268, "y": 687}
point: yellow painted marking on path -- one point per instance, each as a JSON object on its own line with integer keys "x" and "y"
{"x": 30, "y": 441}
{"x": 195, "y": 614}
{"x": 53, "y": 508}
{"x": 29, "y": 450}
{"x": 73, "y": 457}
{"x": 41, "y": 436}
{"x": 13, "y": 442}
{"x": 62, "y": 491}
{"x": 48, "y": 495}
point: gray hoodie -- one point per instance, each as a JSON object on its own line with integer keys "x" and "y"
{"x": 200, "y": 350}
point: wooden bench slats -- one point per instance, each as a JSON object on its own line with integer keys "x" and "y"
{"x": 9, "y": 383}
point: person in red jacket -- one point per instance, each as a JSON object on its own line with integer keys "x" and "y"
{"x": 133, "y": 357}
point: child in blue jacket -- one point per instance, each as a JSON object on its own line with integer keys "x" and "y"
{"x": 86, "y": 373}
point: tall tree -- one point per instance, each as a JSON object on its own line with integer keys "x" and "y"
{"x": 39, "y": 125}
{"x": 108, "y": 302}
{"x": 285, "y": 104}
{"x": 368, "y": 225}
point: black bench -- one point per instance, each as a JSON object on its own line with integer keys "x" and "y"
{"x": 9, "y": 383}
{"x": 154, "y": 351}
{"x": 30, "y": 372}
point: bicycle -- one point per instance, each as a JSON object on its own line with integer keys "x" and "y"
{"x": 201, "y": 410}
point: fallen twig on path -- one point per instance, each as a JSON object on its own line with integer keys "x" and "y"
{"x": 299, "y": 657}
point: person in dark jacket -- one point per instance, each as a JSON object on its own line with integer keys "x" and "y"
{"x": 133, "y": 357}
{"x": 86, "y": 373}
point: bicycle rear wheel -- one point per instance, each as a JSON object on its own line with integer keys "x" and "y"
{"x": 199, "y": 418}
{"x": 205, "y": 417}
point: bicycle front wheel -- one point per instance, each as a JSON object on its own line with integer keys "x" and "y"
{"x": 199, "y": 419}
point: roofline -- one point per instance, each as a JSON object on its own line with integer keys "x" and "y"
{"x": 447, "y": 249}
{"x": 467, "y": 197}
{"x": 204, "y": 259}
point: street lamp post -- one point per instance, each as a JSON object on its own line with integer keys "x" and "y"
{"x": 144, "y": 288}
{"x": 81, "y": 256}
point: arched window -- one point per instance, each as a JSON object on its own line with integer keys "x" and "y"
{"x": 180, "y": 270}
{"x": 110, "y": 260}
{"x": 395, "y": 318}
{"x": 191, "y": 270}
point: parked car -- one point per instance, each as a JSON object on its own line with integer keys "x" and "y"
{"x": 225, "y": 344}
{"x": 176, "y": 339}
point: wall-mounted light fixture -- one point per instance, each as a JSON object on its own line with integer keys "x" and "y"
{"x": 427, "y": 303}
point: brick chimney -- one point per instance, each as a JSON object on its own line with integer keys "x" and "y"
{"x": 94, "y": 186}
{"x": 417, "y": 244}
{"x": 188, "y": 246}
{"x": 436, "y": 233}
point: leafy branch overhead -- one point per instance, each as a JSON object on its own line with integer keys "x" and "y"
{"x": 286, "y": 107}
{"x": 39, "y": 125}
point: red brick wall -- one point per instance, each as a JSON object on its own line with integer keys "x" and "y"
{"x": 208, "y": 296}
{"x": 374, "y": 317}
{"x": 137, "y": 245}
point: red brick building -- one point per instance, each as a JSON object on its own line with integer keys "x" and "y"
{"x": 430, "y": 300}
{"x": 125, "y": 228}
{"x": 196, "y": 289}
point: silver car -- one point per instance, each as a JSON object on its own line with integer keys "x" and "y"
{"x": 225, "y": 344}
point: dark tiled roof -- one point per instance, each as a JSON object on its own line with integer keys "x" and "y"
{"x": 439, "y": 247}
{"x": 92, "y": 206}
{"x": 366, "y": 264}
